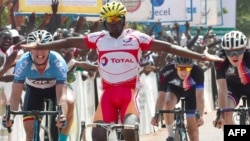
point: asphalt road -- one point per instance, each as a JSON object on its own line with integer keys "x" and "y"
{"x": 207, "y": 131}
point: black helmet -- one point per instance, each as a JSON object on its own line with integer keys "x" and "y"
{"x": 4, "y": 34}
{"x": 183, "y": 61}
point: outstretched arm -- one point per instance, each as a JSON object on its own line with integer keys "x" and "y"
{"x": 70, "y": 42}
{"x": 181, "y": 51}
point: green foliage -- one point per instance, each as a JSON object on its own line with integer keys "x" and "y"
{"x": 242, "y": 16}
{"x": 224, "y": 11}
{"x": 4, "y": 19}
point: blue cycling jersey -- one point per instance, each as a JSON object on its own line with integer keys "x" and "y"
{"x": 55, "y": 72}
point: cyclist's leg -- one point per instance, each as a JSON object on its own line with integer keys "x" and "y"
{"x": 170, "y": 101}
{"x": 192, "y": 96}
{"x": 129, "y": 111}
{"x": 232, "y": 101}
{"x": 233, "y": 98}
{"x": 192, "y": 127}
{"x": 51, "y": 94}
{"x": 130, "y": 119}
{"x": 70, "y": 115}
{"x": 105, "y": 112}
{"x": 33, "y": 100}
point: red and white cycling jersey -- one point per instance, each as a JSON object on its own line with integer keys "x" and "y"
{"x": 119, "y": 58}
{"x": 9, "y": 51}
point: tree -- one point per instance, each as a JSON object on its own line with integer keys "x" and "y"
{"x": 242, "y": 16}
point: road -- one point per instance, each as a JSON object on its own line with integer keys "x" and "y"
{"x": 207, "y": 131}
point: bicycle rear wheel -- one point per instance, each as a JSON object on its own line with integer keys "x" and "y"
{"x": 180, "y": 135}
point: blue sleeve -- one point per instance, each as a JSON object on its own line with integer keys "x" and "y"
{"x": 61, "y": 68}
{"x": 21, "y": 68}
{"x": 198, "y": 76}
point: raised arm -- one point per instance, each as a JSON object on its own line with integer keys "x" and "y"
{"x": 11, "y": 14}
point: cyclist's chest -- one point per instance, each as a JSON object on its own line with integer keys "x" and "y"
{"x": 176, "y": 81}
{"x": 233, "y": 74}
{"x": 119, "y": 56}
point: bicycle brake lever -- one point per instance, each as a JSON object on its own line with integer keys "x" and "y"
{"x": 8, "y": 117}
{"x": 197, "y": 113}
{"x": 59, "y": 110}
{"x": 218, "y": 113}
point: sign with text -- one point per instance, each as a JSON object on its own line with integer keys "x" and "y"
{"x": 236, "y": 132}
{"x": 65, "y": 6}
{"x": 137, "y": 10}
{"x": 170, "y": 10}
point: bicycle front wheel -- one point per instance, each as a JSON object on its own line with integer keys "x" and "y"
{"x": 180, "y": 135}
{"x": 243, "y": 119}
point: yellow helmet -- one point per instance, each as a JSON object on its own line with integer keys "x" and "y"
{"x": 113, "y": 9}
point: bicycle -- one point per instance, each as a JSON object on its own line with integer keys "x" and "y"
{"x": 179, "y": 120}
{"x": 111, "y": 128}
{"x": 49, "y": 128}
{"x": 242, "y": 112}
{"x": 37, "y": 114}
{"x": 50, "y": 131}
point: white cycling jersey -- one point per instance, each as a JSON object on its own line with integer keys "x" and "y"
{"x": 119, "y": 58}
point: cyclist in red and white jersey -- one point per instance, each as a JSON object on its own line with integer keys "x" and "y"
{"x": 119, "y": 52}
{"x": 232, "y": 75}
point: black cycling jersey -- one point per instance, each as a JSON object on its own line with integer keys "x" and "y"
{"x": 224, "y": 70}
{"x": 170, "y": 82}
{"x": 169, "y": 75}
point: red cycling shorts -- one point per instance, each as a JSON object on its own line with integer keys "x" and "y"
{"x": 114, "y": 99}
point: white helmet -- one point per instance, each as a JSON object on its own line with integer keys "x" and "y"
{"x": 234, "y": 40}
{"x": 43, "y": 35}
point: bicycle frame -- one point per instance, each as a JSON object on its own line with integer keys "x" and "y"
{"x": 50, "y": 130}
{"x": 242, "y": 111}
{"x": 37, "y": 115}
{"x": 179, "y": 120}
{"x": 109, "y": 128}
{"x": 179, "y": 123}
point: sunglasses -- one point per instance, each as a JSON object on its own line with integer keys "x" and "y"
{"x": 186, "y": 68}
{"x": 113, "y": 19}
{"x": 231, "y": 53}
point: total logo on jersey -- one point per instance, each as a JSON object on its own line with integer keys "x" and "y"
{"x": 114, "y": 62}
{"x": 117, "y": 58}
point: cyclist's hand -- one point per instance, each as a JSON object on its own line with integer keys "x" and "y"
{"x": 155, "y": 120}
{"x": 218, "y": 123}
{"x": 200, "y": 122}
{"x": 61, "y": 121}
{"x": 7, "y": 123}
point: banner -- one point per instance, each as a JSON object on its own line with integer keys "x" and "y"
{"x": 170, "y": 10}
{"x": 210, "y": 12}
{"x": 194, "y": 10}
{"x": 65, "y": 6}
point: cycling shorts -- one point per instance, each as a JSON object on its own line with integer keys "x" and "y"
{"x": 190, "y": 96}
{"x": 236, "y": 91}
{"x": 114, "y": 100}
{"x": 34, "y": 99}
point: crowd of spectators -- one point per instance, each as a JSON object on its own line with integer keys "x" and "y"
{"x": 64, "y": 26}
